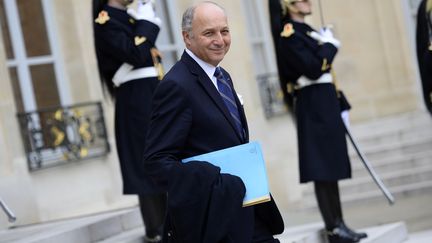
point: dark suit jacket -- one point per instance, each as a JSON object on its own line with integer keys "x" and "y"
{"x": 190, "y": 118}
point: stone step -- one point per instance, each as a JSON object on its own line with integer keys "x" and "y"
{"x": 397, "y": 192}
{"x": 398, "y": 148}
{"x": 399, "y": 182}
{"x": 392, "y": 162}
{"x": 125, "y": 226}
{"x": 420, "y": 237}
{"x": 309, "y": 233}
{"x": 403, "y": 133}
{"x": 132, "y": 236}
{"x": 395, "y": 233}
{"x": 375, "y": 193}
{"x": 389, "y": 126}
{"x": 312, "y": 233}
{"x": 88, "y": 229}
{"x": 390, "y": 179}
{"x": 379, "y": 151}
{"x": 374, "y": 137}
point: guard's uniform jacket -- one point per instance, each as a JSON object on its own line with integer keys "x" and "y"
{"x": 321, "y": 136}
{"x": 123, "y": 47}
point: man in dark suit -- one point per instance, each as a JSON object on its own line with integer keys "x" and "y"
{"x": 194, "y": 114}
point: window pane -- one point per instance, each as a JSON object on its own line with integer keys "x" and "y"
{"x": 5, "y": 31}
{"x": 414, "y": 3}
{"x": 259, "y": 59}
{"x": 169, "y": 59}
{"x": 45, "y": 85}
{"x": 252, "y": 18}
{"x": 166, "y": 33}
{"x": 33, "y": 27}
{"x": 16, "y": 89}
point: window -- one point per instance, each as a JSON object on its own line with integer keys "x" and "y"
{"x": 414, "y": 4}
{"x": 169, "y": 41}
{"x": 263, "y": 57}
{"x": 260, "y": 37}
{"x": 32, "y": 55}
{"x": 53, "y": 131}
{"x": 412, "y": 8}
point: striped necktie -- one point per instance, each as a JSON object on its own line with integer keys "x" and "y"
{"x": 228, "y": 97}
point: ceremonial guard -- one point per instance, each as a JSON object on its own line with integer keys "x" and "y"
{"x": 130, "y": 69}
{"x": 305, "y": 63}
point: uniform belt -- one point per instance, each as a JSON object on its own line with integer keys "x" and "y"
{"x": 126, "y": 73}
{"x": 304, "y": 82}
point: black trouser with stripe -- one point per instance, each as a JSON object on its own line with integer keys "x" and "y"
{"x": 327, "y": 194}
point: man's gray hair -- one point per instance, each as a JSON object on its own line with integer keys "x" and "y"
{"x": 188, "y": 15}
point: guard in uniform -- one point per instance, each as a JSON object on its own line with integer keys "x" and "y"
{"x": 306, "y": 58}
{"x": 130, "y": 69}
{"x": 424, "y": 49}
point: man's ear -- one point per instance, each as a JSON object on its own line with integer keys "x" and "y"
{"x": 186, "y": 38}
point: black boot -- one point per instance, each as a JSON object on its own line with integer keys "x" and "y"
{"x": 327, "y": 194}
{"x": 338, "y": 212}
{"x": 156, "y": 239}
{"x": 153, "y": 210}
{"x": 359, "y": 235}
{"x": 341, "y": 235}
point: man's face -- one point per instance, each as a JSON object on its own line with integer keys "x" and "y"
{"x": 122, "y": 2}
{"x": 209, "y": 38}
{"x": 303, "y": 6}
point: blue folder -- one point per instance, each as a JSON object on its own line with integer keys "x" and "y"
{"x": 245, "y": 161}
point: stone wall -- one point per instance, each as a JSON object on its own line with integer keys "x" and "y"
{"x": 374, "y": 68}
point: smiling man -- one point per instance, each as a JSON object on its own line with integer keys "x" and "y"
{"x": 196, "y": 111}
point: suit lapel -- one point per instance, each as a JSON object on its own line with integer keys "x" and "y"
{"x": 210, "y": 89}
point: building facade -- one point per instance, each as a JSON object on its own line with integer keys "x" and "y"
{"x": 57, "y": 152}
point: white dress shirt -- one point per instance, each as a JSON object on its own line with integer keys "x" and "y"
{"x": 208, "y": 68}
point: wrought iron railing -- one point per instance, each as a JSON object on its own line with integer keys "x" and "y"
{"x": 60, "y": 135}
{"x": 271, "y": 95}
{"x": 7, "y": 211}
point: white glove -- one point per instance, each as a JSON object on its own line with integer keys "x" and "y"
{"x": 326, "y": 32}
{"x": 325, "y": 36}
{"x": 345, "y": 118}
{"x": 145, "y": 11}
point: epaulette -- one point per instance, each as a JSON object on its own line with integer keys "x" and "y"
{"x": 103, "y": 17}
{"x": 139, "y": 40}
{"x": 288, "y": 30}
